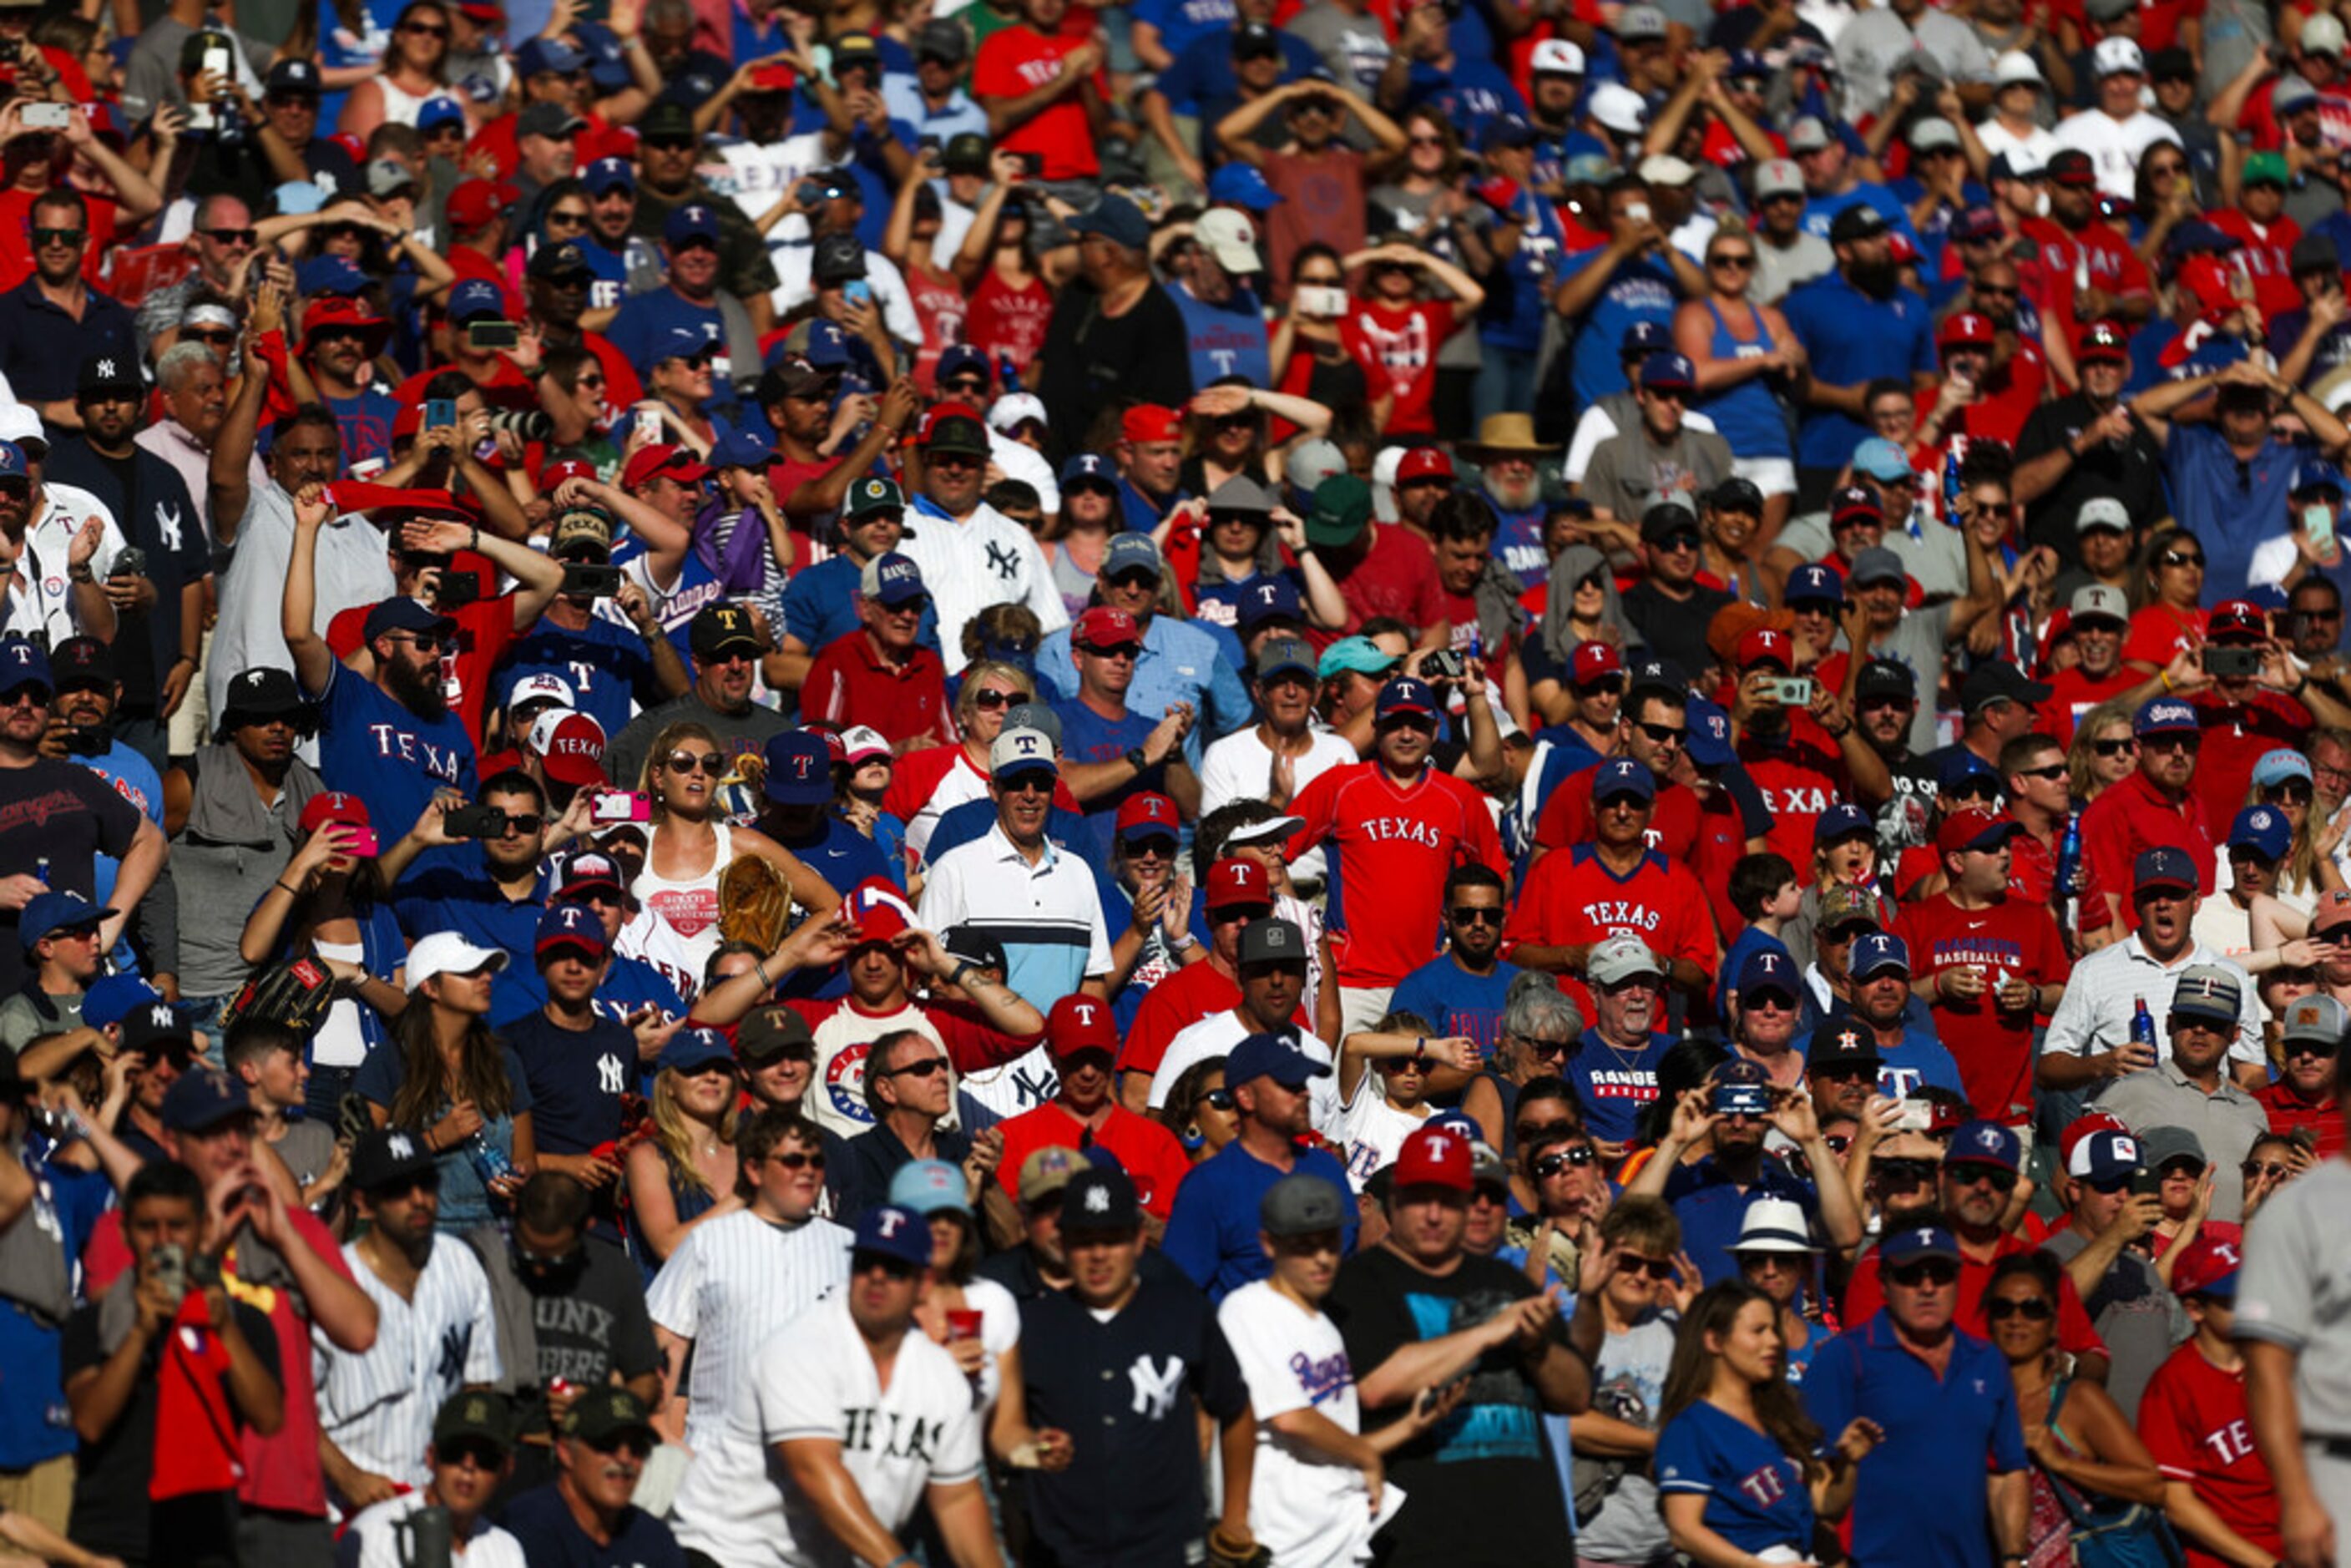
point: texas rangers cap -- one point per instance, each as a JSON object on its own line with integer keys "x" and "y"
{"x": 2207, "y": 992}
{"x": 1435, "y": 1157}
{"x": 1984, "y": 1144}
{"x": 1079, "y": 1024}
{"x": 894, "y": 1235}
{"x": 1238, "y": 880}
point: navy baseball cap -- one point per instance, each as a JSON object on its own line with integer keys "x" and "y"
{"x": 2164, "y": 868}
{"x": 202, "y": 1098}
{"x": 1406, "y": 694}
{"x": 542, "y": 54}
{"x": 2317, "y": 473}
{"x": 570, "y": 925}
{"x": 897, "y": 1234}
{"x": 335, "y": 275}
{"x": 474, "y": 299}
{"x": 2165, "y": 716}
{"x": 692, "y": 222}
{"x": 1643, "y": 338}
{"x": 1768, "y": 969}
{"x": 1100, "y": 1198}
{"x": 892, "y": 579}
{"x": 961, "y": 360}
{"x": 12, "y": 462}
{"x": 1708, "y": 744}
{"x": 1669, "y": 370}
{"x": 691, "y": 1050}
{"x": 683, "y": 343}
{"x": 744, "y": 448}
{"x": 60, "y": 909}
{"x": 22, "y": 663}
{"x": 403, "y": 614}
{"x": 1089, "y": 468}
{"x": 799, "y": 768}
{"x": 609, "y": 175}
{"x": 111, "y": 998}
{"x": 1961, "y": 768}
{"x": 1115, "y": 219}
{"x": 1878, "y": 950}
{"x": 1273, "y": 1056}
{"x": 1623, "y": 776}
{"x": 2263, "y": 829}
{"x": 1841, "y": 821}
{"x": 1269, "y": 598}
{"x": 1914, "y": 1243}
{"x": 438, "y": 111}
{"x": 1813, "y": 583}
{"x": 1985, "y": 1143}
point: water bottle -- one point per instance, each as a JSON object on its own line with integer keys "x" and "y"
{"x": 1008, "y": 377}
{"x": 2069, "y": 865}
{"x": 490, "y": 1162}
{"x": 2142, "y": 1030}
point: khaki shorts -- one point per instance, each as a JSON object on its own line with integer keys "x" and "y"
{"x": 45, "y": 1492}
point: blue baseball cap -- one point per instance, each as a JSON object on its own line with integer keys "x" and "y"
{"x": 1914, "y": 1243}
{"x": 1274, "y": 1056}
{"x": 540, "y": 55}
{"x": 1669, "y": 370}
{"x": 1708, "y": 744}
{"x": 1241, "y": 185}
{"x": 21, "y": 662}
{"x": 680, "y": 343}
{"x": 1359, "y": 654}
{"x": 438, "y": 111}
{"x": 333, "y": 274}
{"x": 898, "y": 1234}
{"x": 929, "y": 1187}
{"x": 2165, "y": 716}
{"x": 60, "y": 909}
{"x": 1643, "y": 338}
{"x": 402, "y": 614}
{"x": 1089, "y": 468}
{"x": 570, "y": 925}
{"x": 1878, "y": 950}
{"x": 12, "y": 462}
{"x": 692, "y": 221}
{"x": 204, "y": 1097}
{"x": 1984, "y": 1144}
{"x": 2164, "y": 868}
{"x": 691, "y": 1050}
{"x": 1883, "y": 461}
{"x": 828, "y": 345}
{"x": 2263, "y": 829}
{"x": 1115, "y": 219}
{"x": 609, "y": 175}
{"x": 2276, "y": 767}
{"x": 743, "y": 448}
{"x": 1623, "y": 776}
{"x": 2317, "y": 473}
{"x": 1961, "y": 767}
{"x": 891, "y": 579}
{"x": 1813, "y": 583}
{"x": 799, "y": 768}
{"x": 961, "y": 360}
{"x": 474, "y": 299}
{"x": 1841, "y": 821}
{"x": 1405, "y": 693}
{"x": 111, "y": 998}
{"x": 1269, "y": 598}
{"x": 1770, "y": 968}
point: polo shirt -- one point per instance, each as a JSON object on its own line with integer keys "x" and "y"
{"x": 1147, "y": 1152}
{"x": 2095, "y": 1014}
{"x": 1048, "y": 915}
{"x": 1711, "y": 1207}
{"x": 1923, "y": 1494}
{"x": 1864, "y": 1295}
{"x": 2287, "y": 1111}
{"x": 852, "y": 682}
{"x": 2227, "y": 1122}
{"x": 2129, "y": 817}
{"x": 1212, "y": 1233}
{"x": 1853, "y": 338}
{"x": 42, "y": 347}
{"x": 460, "y": 896}
{"x": 1181, "y": 663}
{"x": 2231, "y": 506}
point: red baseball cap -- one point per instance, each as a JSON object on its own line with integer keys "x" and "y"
{"x": 1435, "y": 1157}
{"x": 2208, "y": 1266}
{"x": 1102, "y": 627}
{"x": 1145, "y": 815}
{"x": 1238, "y": 880}
{"x": 335, "y": 805}
{"x": 1975, "y": 829}
{"x": 570, "y": 746}
{"x": 1150, "y": 422}
{"x": 1968, "y": 329}
{"x": 475, "y": 202}
{"x": 2237, "y": 618}
{"x": 1081, "y": 1023}
{"x": 1765, "y": 646}
{"x": 1595, "y": 661}
{"x": 1424, "y": 463}
{"x": 879, "y": 909}
{"x": 554, "y": 473}
{"x": 661, "y": 458}
{"x": 336, "y": 311}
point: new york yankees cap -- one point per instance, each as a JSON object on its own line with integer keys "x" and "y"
{"x": 109, "y": 375}
{"x": 1099, "y": 1197}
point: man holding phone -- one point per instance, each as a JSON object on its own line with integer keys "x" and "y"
{"x": 2113, "y": 1202}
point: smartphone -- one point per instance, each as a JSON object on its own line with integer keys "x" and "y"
{"x": 587, "y": 579}
{"x": 363, "y": 843}
{"x": 607, "y": 808}
{"x": 857, "y": 291}
{"x": 2227, "y": 664}
{"x": 439, "y": 411}
{"x": 1443, "y": 663}
{"x": 2147, "y": 1184}
{"x": 475, "y": 822}
{"x": 216, "y": 62}
{"x": 170, "y": 1265}
{"x": 492, "y": 335}
{"x": 2318, "y": 523}
{"x": 456, "y": 590}
{"x": 1795, "y": 691}
{"x": 1730, "y": 1099}
{"x": 1321, "y": 301}
{"x": 46, "y": 116}
{"x": 649, "y": 424}
{"x": 1914, "y": 1115}
{"x": 1637, "y": 212}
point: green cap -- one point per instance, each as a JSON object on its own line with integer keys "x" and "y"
{"x": 474, "y": 1413}
{"x": 875, "y": 495}
{"x": 603, "y": 1414}
{"x": 2261, "y": 166}
{"x": 1342, "y": 510}
{"x": 1357, "y": 653}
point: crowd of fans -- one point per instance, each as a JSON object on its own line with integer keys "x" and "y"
{"x": 1471, "y": 781}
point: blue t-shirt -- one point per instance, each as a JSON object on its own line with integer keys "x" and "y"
{"x": 821, "y": 606}
{"x": 1142, "y": 510}
{"x": 1641, "y": 289}
{"x": 1615, "y": 1089}
{"x": 135, "y": 780}
{"x": 609, "y": 669}
{"x": 1755, "y": 1491}
{"x": 36, "y": 1423}
{"x": 1854, "y": 339}
{"x": 577, "y": 1077}
{"x": 466, "y": 1202}
{"x": 1212, "y": 1233}
{"x": 372, "y": 747}
{"x": 551, "y": 1537}
{"x": 1711, "y": 1207}
{"x": 1227, "y": 339}
{"x": 1518, "y": 294}
{"x": 1472, "y": 93}
{"x": 843, "y": 856}
{"x": 1201, "y": 82}
{"x": 459, "y": 895}
{"x": 366, "y": 422}
{"x": 1088, "y": 737}
{"x": 1455, "y": 1001}
{"x": 629, "y": 985}
{"x": 1182, "y": 22}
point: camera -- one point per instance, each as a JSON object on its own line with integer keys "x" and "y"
{"x": 587, "y": 580}
{"x": 528, "y": 424}
{"x": 1794, "y": 691}
{"x": 493, "y": 335}
{"x": 475, "y": 822}
{"x": 455, "y": 590}
{"x": 2227, "y": 664}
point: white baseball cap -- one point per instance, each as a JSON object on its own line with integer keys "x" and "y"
{"x": 2117, "y": 57}
{"x": 446, "y": 953}
{"x": 1006, "y": 415}
{"x": 2323, "y": 35}
{"x": 1619, "y": 108}
{"x": 540, "y": 687}
{"x": 1664, "y": 169}
{"x": 1561, "y": 57}
{"x": 2016, "y": 66}
{"x": 860, "y": 741}
{"x": 1226, "y": 234}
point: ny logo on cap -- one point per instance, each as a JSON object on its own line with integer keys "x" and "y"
{"x": 106, "y": 369}
{"x": 1097, "y": 1200}
{"x": 400, "y": 1146}
{"x": 159, "y": 1016}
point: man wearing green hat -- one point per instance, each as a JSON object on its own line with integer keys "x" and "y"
{"x": 587, "y": 1512}
{"x": 1382, "y": 569}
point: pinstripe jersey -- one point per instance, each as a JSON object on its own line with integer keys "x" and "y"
{"x": 732, "y": 1283}
{"x": 378, "y": 1407}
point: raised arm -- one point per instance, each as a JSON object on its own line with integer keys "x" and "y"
{"x": 314, "y": 662}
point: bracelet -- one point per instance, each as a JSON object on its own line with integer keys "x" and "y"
{"x": 2165, "y": 676}
{"x": 2300, "y": 686}
{"x": 759, "y": 968}
{"x": 961, "y": 969}
{"x": 474, "y": 538}
{"x": 291, "y": 891}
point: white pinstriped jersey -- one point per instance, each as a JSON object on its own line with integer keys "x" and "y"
{"x": 731, "y": 1284}
{"x": 378, "y": 1407}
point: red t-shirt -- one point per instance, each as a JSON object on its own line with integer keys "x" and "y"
{"x": 1015, "y": 62}
{"x": 1397, "y": 576}
{"x": 2160, "y": 633}
{"x": 939, "y": 307}
{"x": 2129, "y": 817}
{"x": 486, "y": 630}
{"x": 2234, "y": 739}
{"x": 1571, "y": 898}
{"x": 2073, "y": 694}
{"x": 1170, "y": 1007}
{"x": 2055, "y": 276}
{"x": 1396, "y": 345}
{"x": 1392, "y": 847}
{"x": 2193, "y": 1418}
{"x": 1004, "y": 322}
{"x": 2075, "y": 1333}
{"x": 851, "y": 682}
{"x": 1147, "y": 1152}
{"x": 2287, "y": 1112}
{"x": 1993, "y": 1047}
{"x": 2263, "y": 255}
{"x": 1798, "y": 783}
{"x": 1567, "y": 818}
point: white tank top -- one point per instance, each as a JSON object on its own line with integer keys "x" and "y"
{"x": 676, "y": 927}
{"x": 401, "y": 106}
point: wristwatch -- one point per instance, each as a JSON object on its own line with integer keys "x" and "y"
{"x": 1136, "y": 760}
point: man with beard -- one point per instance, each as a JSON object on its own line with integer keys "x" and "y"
{"x": 2111, "y": 136}
{"x": 2085, "y": 445}
{"x": 1910, "y": 1057}
{"x": 586, "y": 1514}
{"x": 1462, "y": 991}
{"x": 160, "y": 609}
{"x": 2088, "y": 1042}
{"x": 341, "y": 338}
{"x": 2076, "y": 244}
{"x": 612, "y": 672}
{"x": 1857, "y": 324}
{"x": 667, "y": 152}
{"x": 390, "y": 738}
{"x": 1115, "y": 337}
{"x": 1614, "y": 1070}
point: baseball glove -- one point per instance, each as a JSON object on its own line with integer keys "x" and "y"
{"x": 296, "y": 994}
{"x": 1226, "y": 1552}
{"x": 755, "y": 905}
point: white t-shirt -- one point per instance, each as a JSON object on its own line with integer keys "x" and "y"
{"x": 2114, "y": 145}
{"x": 1998, "y": 138}
{"x": 1309, "y": 1509}
{"x": 1238, "y": 767}
{"x": 1375, "y": 1129}
{"x": 377, "y": 1532}
{"x": 816, "y": 1379}
{"x": 1217, "y": 1034}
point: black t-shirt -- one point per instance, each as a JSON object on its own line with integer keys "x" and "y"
{"x": 112, "y": 1514}
{"x": 1675, "y": 628}
{"x": 552, "y": 1537}
{"x": 61, "y": 813}
{"x": 577, "y": 1077}
{"x": 589, "y": 1322}
{"x": 1095, "y": 363}
{"x": 1133, "y": 1492}
{"x": 1488, "y": 1462}
{"x": 2131, "y": 472}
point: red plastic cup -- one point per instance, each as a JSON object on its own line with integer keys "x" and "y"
{"x": 963, "y": 1325}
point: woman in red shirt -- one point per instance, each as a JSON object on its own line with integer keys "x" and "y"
{"x": 937, "y": 293}
{"x": 1395, "y": 334}
{"x": 2165, "y": 614}
{"x": 1010, "y": 300}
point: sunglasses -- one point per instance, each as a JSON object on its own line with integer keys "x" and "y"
{"x": 804, "y": 1160}
{"x": 1905, "y": 1173}
{"x": 2114, "y": 747}
{"x": 475, "y": 1453}
{"x": 233, "y": 236}
{"x": 708, "y": 762}
{"x": 71, "y": 238}
{"x": 1546, "y": 1048}
{"x": 1733, "y": 263}
{"x": 422, "y": 642}
{"x": 1967, "y": 1174}
{"x": 2053, "y": 772}
{"x": 1673, "y": 544}
{"x": 1637, "y": 1263}
{"x": 1217, "y": 1099}
{"x": 2180, "y": 557}
{"x": 571, "y": 220}
{"x": 994, "y": 699}
{"x": 1559, "y": 1160}
{"x": 2287, "y": 794}
{"x": 1528, "y": 1132}
{"x": 2266, "y": 1168}
{"x": 1663, "y": 734}
{"x": 923, "y": 1069}
{"x": 1926, "y": 1271}
{"x": 2034, "y": 1309}
{"x": 1115, "y": 651}
{"x": 1475, "y": 916}
{"x": 424, "y": 29}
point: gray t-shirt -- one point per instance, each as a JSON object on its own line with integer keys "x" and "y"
{"x": 2226, "y": 1123}
{"x": 21, "y": 1022}
{"x": 1630, "y": 472}
{"x": 1778, "y": 271}
{"x": 1630, "y": 1384}
{"x": 2295, "y": 1291}
{"x": 306, "y": 1150}
{"x": 2140, "y": 1321}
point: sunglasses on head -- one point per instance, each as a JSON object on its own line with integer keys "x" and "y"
{"x": 2032, "y": 1309}
{"x": 1576, "y": 1157}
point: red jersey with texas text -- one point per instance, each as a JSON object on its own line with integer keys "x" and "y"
{"x": 1571, "y": 898}
{"x": 2194, "y": 1421}
{"x": 1391, "y": 847}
